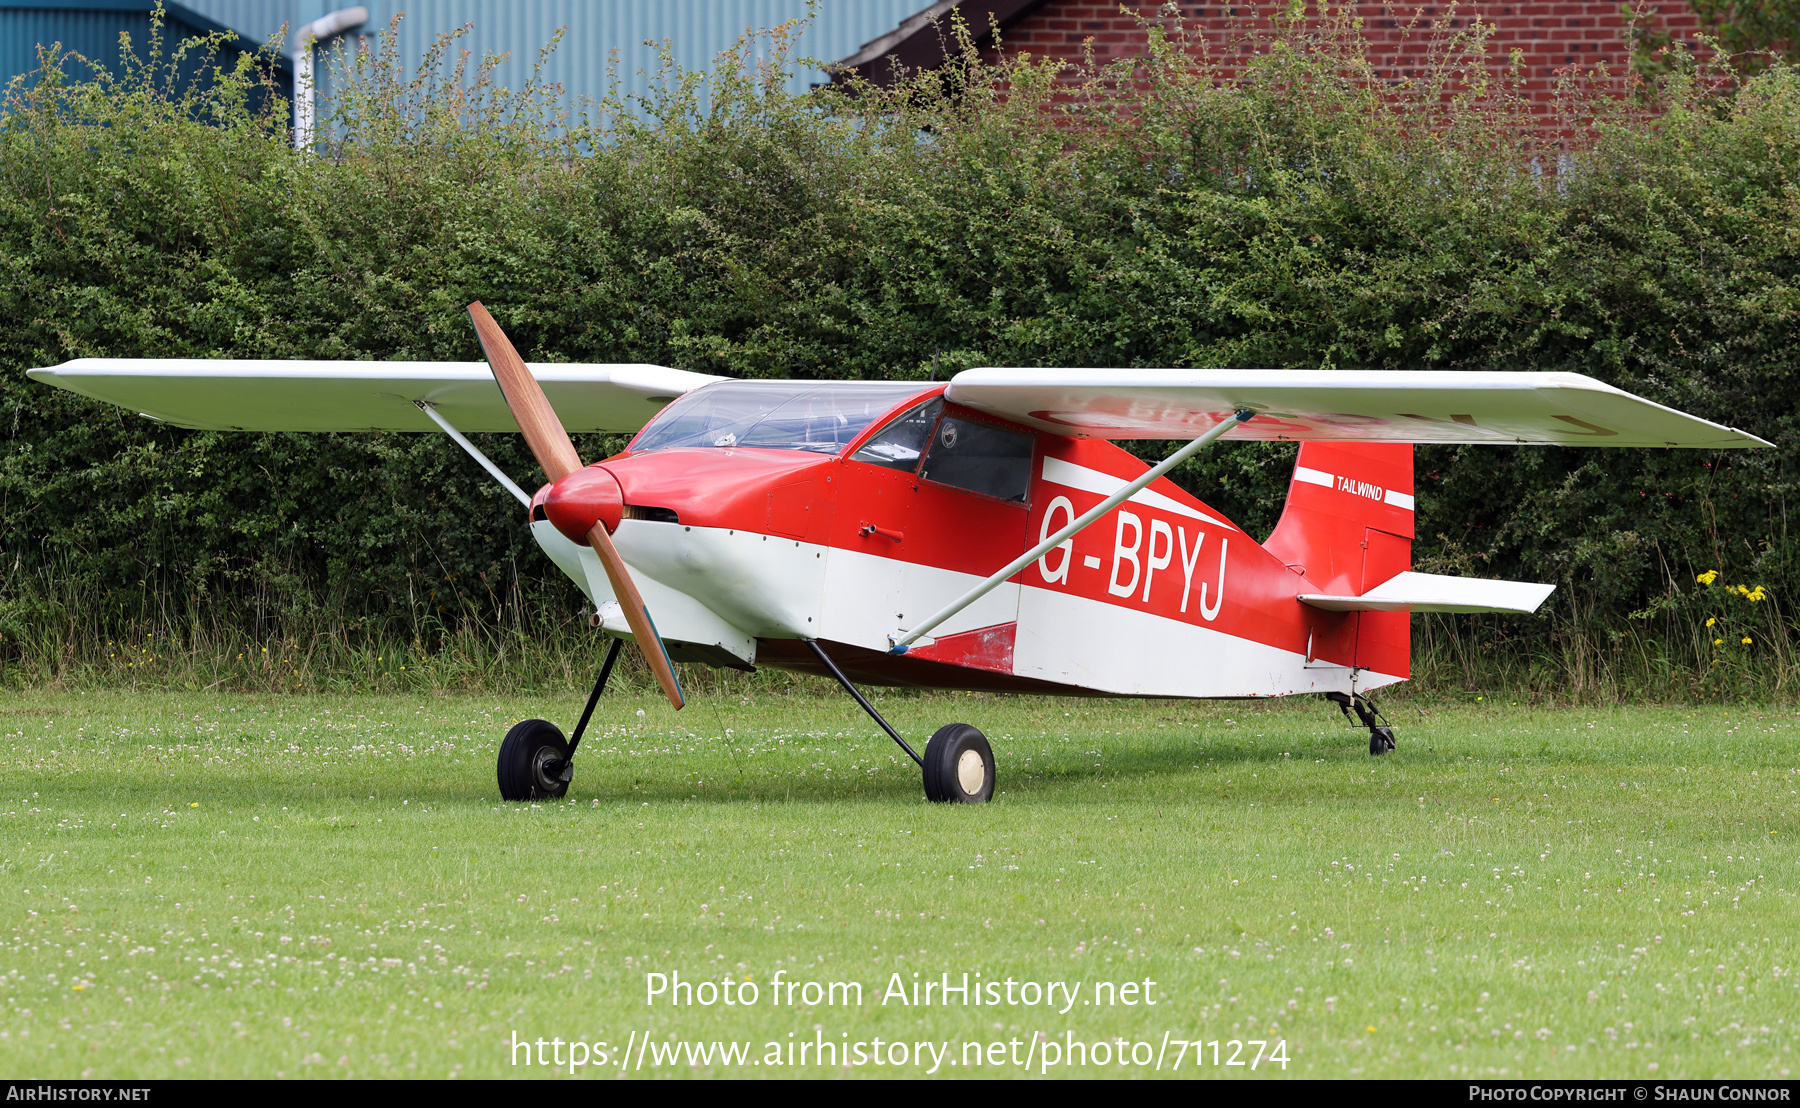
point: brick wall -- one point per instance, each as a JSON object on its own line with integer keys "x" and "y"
{"x": 1552, "y": 37}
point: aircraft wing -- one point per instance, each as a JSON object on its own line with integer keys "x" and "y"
{"x": 1433, "y": 592}
{"x": 1347, "y": 405}
{"x": 364, "y": 396}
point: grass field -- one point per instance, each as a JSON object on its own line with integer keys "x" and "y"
{"x": 232, "y": 886}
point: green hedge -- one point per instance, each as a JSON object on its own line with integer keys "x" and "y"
{"x": 1158, "y": 215}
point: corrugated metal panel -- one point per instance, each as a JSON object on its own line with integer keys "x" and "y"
{"x": 93, "y": 34}
{"x": 697, "y": 30}
{"x": 91, "y": 29}
{"x": 255, "y": 20}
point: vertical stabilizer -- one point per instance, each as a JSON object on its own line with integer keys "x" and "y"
{"x": 1347, "y": 527}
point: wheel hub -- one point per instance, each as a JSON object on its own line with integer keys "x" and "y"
{"x": 546, "y": 768}
{"x": 970, "y": 772}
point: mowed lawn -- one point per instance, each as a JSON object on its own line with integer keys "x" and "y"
{"x": 202, "y": 885}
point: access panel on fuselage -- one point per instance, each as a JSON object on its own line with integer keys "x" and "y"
{"x": 1161, "y": 597}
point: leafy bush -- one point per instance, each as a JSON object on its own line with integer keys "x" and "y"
{"x": 1158, "y": 212}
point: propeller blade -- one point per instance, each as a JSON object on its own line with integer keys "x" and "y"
{"x": 544, "y": 433}
{"x": 551, "y": 446}
{"x": 638, "y": 616}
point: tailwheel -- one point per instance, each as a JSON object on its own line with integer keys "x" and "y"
{"x": 1381, "y": 733}
{"x": 1381, "y": 740}
{"x": 958, "y": 766}
{"x": 534, "y": 762}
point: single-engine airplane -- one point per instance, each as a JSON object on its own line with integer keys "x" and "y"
{"x": 982, "y": 534}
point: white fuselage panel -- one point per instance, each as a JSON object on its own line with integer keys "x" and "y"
{"x": 1073, "y": 640}
{"x": 728, "y": 588}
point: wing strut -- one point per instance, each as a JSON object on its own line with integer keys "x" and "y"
{"x": 462, "y": 441}
{"x": 903, "y": 639}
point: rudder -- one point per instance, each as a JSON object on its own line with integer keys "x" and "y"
{"x": 1347, "y": 527}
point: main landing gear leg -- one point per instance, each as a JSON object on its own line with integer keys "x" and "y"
{"x": 587, "y": 713}
{"x": 958, "y": 764}
{"x": 1381, "y": 733}
{"x": 535, "y": 763}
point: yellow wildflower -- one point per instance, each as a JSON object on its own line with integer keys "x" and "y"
{"x": 1756, "y": 594}
{"x": 1718, "y": 642}
{"x": 1710, "y": 621}
{"x": 1746, "y": 640}
{"x": 1708, "y": 577}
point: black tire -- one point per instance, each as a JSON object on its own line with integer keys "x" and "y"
{"x": 1381, "y": 740}
{"x": 958, "y": 757}
{"x": 532, "y": 758}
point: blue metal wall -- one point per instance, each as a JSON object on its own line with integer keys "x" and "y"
{"x": 90, "y": 28}
{"x": 256, "y": 20}
{"x": 698, "y": 29}
{"x": 94, "y": 34}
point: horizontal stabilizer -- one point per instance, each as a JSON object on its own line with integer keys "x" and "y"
{"x": 1433, "y": 592}
{"x": 1346, "y": 405}
{"x": 223, "y": 395}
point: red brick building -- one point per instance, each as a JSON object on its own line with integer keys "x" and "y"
{"x": 1553, "y": 38}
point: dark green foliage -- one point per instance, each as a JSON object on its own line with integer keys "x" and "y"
{"x": 1751, "y": 33}
{"x": 990, "y": 217}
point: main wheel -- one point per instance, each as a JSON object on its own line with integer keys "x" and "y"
{"x": 959, "y": 766}
{"x": 533, "y": 760}
{"x": 1381, "y": 740}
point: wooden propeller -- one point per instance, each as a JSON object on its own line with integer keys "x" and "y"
{"x": 551, "y": 446}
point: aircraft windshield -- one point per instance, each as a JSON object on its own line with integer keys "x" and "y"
{"x": 785, "y": 415}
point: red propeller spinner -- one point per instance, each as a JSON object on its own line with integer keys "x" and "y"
{"x": 582, "y": 499}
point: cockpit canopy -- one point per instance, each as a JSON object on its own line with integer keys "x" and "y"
{"x": 784, "y": 415}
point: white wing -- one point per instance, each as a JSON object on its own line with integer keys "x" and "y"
{"x": 364, "y": 396}
{"x": 1567, "y": 409}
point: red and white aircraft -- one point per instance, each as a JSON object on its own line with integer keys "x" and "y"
{"x": 983, "y": 534}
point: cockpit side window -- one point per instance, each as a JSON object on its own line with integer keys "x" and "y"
{"x": 980, "y": 458}
{"x": 900, "y": 443}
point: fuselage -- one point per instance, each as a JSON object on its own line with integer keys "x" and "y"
{"x": 851, "y": 528}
